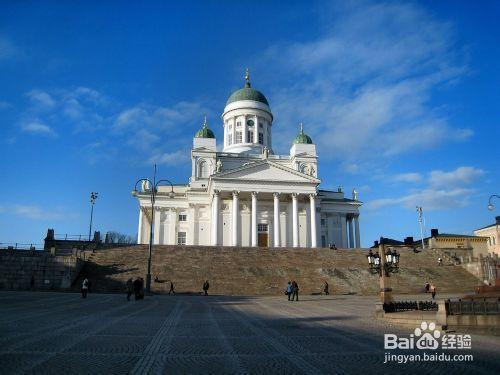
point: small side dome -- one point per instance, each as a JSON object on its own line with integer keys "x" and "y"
{"x": 302, "y": 138}
{"x": 204, "y": 132}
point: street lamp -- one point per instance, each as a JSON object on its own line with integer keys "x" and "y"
{"x": 420, "y": 212}
{"x": 153, "y": 191}
{"x": 490, "y": 205}
{"x": 93, "y": 197}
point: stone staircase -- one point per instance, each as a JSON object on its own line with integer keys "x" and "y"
{"x": 265, "y": 271}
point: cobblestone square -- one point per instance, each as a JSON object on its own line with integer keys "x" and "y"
{"x": 51, "y": 333}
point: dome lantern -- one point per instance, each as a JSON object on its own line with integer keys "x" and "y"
{"x": 204, "y": 132}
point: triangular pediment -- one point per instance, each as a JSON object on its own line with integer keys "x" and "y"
{"x": 265, "y": 171}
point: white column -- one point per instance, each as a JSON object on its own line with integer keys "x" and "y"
{"x": 254, "y": 219}
{"x": 265, "y": 136}
{"x": 312, "y": 200}
{"x": 191, "y": 218}
{"x": 244, "y": 138}
{"x": 351, "y": 237}
{"x": 358, "y": 235}
{"x": 173, "y": 226}
{"x": 236, "y": 205}
{"x": 295, "y": 221}
{"x": 276, "y": 219}
{"x": 139, "y": 230}
{"x": 157, "y": 222}
{"x": 215, "y": 219}
{"x": 256, "y": 131}
{"x": 343, "y": 230}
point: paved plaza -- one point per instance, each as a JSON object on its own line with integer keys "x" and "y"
{"x": 104, "y": 334}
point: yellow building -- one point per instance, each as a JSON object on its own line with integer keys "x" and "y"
{"x": 457, "y": 245}
{"x": 492, "y": 232}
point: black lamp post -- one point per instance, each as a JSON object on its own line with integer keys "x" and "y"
{"x": 389, "y": 264}
{"x": 93, "y": 197}
{"x": 490, "y": 205}
{"x": 153, "y": 190}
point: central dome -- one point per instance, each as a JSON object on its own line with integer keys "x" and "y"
{"x": 247, "y": 93}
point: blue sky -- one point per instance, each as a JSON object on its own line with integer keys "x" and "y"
{"x": 400, "y": 97}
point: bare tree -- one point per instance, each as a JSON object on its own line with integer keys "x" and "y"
{"x": 119, "y": 238}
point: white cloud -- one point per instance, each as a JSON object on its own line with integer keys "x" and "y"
{"x": 35, "y": 212}
{"x": 41, "y": 99}
{"x": 444, "y": 190}
{"x": 407, "y": 177}
{"x": 363, "y": 88}
{"x": 173, "y": 158}
{"x": 38, "y": 128}
{"x": 459, "y": 177}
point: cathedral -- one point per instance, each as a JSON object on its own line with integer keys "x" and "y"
{"x": 246, "y": 195}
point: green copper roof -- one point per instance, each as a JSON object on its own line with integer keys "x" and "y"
{"x": 204, "y": 132}
{"x": 302, "y": 138}
{"x": 247, "y": 93}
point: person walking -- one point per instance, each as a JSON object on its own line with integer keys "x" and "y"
{"x": 130, "y": 288}
{"x": 141, "y": 288}
{"x": 289, "y": 290}
{"x": 137, "y": 288}
{"x": 295, "y": 292}
{"x": 206, "y": 285}
{"x": 427, "y": 286}
{"x": 85, "y": 288}
{"x": 433, "y": 291}
{"x": 171, "y": 288}
{"x": 325, "y": 289}
{"x": 440, "y": 261}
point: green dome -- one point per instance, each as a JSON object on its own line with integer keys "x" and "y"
{"x": 247, "y": 93}
{"x": 204, "y": 132}
{"x": 302, "y": 138}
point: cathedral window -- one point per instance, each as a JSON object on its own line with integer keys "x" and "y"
{"x": 261, "y": 138}
{"x": 181, "y": 238}
{"x": 238, "y": 137}
{"x": 250, "y": 136}
{"x": 238, "y": 124}
{"x": 182, "y": 217}
{"x": 229, "y": 139}
{"x": 202, "y": 169}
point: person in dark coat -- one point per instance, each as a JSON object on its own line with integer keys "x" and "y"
{"x": 171, "y": 288}
{"x": 85, "y": 287}
{"x": 206, "y": 285}
{"x": 137, "y": 288}
{"x": 325, "y": 289}
{"x": 295, "y": 292}
{"x": 130, "y": 288}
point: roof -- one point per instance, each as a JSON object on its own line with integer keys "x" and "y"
{"x": 302, "y": 138}
{"x": 247, "y": 93}
{"x": 204, "y": 132}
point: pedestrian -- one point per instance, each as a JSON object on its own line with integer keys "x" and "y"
{"x": 433, "y": 291}
{"x": 130, "y": 288}
{"x": 141, "y": 288}
{"x": 325, "y": 289}
{"x": 289, "y": 290}
{"x": 440, "y": 262}
{"x": 206, "y": 285}
{"x": 171, "y": 288}
{"x": 427, "y": 286}
{"x": 295, "y": 292}
{"x": 137, "y": 288}
{"x": 85, "y": 287}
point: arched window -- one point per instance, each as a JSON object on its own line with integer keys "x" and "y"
{"x": 203, "y": 169}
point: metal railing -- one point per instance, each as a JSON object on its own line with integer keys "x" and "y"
{"x": 20, "y": 246}
{"x": 410, "y": 306}
{"x": 71, "y": 237}
{"x": 483, "y": 306}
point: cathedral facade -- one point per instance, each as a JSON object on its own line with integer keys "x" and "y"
{"x": 245, "y": 195}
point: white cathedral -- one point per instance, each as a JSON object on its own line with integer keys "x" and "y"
{"x": 246, "y": 195}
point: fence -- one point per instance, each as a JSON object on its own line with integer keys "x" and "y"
{"x": 20, "y": 246}
{"x": 410, "y": 306}
{"x": 483, "y": 306}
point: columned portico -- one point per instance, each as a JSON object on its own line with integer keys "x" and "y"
{"x": 254, "y": 219}
{"x": 235, "y": 212}
{"x": 351, "y": 232}
{"x": 312, "y": 198}
{"x": 157, "y": 222}
{"x": 276, "y": 219}
{"x": 295, "y": 221}
{"x": 215, "y": 218}
{"x": 139, "y": 230}
{"x": 358, "y": 235}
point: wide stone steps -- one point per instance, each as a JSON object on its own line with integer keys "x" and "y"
{"x": 265, "y": 271}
